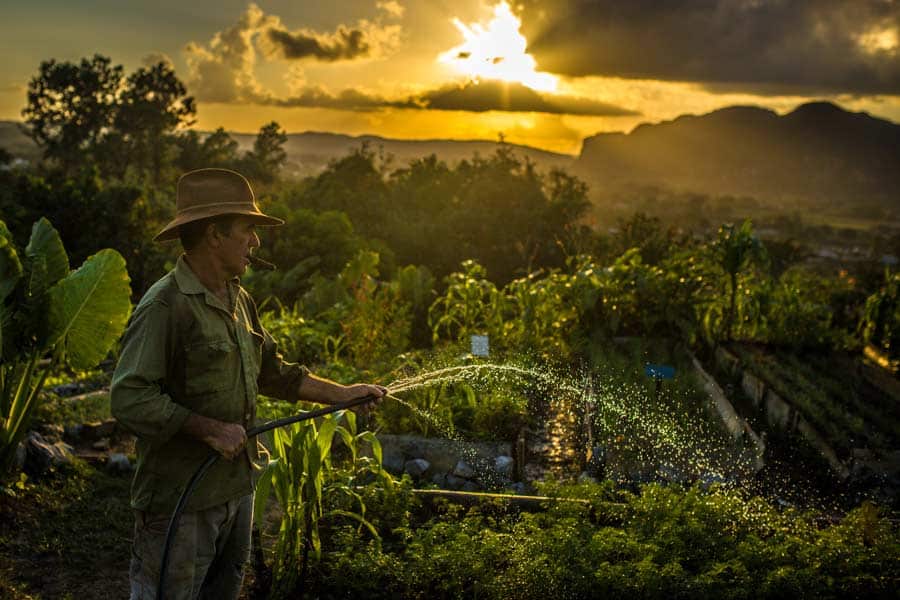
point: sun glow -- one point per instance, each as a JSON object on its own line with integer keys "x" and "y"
{"x": 497, "y": 51}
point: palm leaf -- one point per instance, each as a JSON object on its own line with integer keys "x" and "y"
{"x": 89, "y": 309}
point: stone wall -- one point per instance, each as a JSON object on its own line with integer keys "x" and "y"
{"x": 779, "y": 412}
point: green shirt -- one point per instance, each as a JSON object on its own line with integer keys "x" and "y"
{"x": 184, "y": 351}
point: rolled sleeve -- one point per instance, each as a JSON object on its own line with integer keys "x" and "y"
{"x": 277, "y": 377}
{"x": 137, "y": 398}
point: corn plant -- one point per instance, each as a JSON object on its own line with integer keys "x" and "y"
{"x": 471, "y": 305}
{"x": 50, "y": 316}
{"x": 301, "y": 475}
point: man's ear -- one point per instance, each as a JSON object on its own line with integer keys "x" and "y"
{"x": 213, "y": 235}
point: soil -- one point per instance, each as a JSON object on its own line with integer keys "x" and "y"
{"x": 67, "y": 534}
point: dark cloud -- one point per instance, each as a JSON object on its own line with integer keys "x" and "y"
{"x": 472, "y": 97}
{"x": 766, "y": 46}
{"x": 344, "y": 44}
{"x": 512, "y": 97}
{"x": 316, "y": 97}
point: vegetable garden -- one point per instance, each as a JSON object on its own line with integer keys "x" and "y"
{"x": 657, "y": 498}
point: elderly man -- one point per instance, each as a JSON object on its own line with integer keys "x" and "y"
{"x": 193, "y": 358}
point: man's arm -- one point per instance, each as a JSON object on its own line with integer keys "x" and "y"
{"x": 324, "y": 391}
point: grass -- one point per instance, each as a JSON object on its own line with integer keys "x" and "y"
{"x": 61, "y": 537}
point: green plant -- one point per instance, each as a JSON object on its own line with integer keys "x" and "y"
{"x": 301, "y": 474}
{"x": 48, "y": 311}
{"x": 735, "y": 249}
{"x": 880, "y": 322}
{"x": 471, "y": 305}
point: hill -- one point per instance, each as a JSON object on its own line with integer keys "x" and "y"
{"x": 14, "y": 140}
{"x": 310, "y": 152}
{"x": 817, "y": 155}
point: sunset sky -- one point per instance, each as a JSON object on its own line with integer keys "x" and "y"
{"x": 546, "y": 73}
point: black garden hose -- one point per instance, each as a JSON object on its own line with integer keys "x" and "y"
{"x": 211, "y": 459}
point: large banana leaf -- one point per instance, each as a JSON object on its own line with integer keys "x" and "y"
{"x": 47, "y": 258}
{"x": 89, "y": 309}
{"x": 10, "y": 273}
{"x": 10, "y": 266}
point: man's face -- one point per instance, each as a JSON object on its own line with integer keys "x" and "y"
{"x": 235, "y": 247}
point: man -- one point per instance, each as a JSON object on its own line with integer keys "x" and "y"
{"x": 192, "y": 360}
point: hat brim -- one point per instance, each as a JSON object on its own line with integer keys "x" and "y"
{"x": 170, "y": 231}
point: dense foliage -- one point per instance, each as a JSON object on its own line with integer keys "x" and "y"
{"x": 665, "y": 542}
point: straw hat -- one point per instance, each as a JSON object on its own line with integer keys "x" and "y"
{"x": 208, "y": 193}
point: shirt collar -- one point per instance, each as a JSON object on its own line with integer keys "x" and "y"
{"x": 188, "y": 283}
{"x": 186, "y": 279}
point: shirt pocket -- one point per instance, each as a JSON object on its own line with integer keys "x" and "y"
{"x": 210, "y": 366}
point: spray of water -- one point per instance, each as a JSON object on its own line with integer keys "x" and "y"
{"x": 640, "y": 438}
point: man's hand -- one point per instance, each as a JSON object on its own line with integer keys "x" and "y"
{"x": 358, "y": 390}
{"x": 227, "y": 439}
{"x": 324, "y": 391}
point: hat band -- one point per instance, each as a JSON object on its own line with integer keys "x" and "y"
{"x": 245, "y": 205}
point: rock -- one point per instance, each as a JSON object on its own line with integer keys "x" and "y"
{"x": 439, "y": 479}
{"x": 51, "y": 432}
{"x": 102, "y": 444}
{"x": 41, "y": 455}
{"x": 118, "y": 463}
{"x": 471, "y": 486}
{"x": 392, "y": 463}
{"x": 72, "y": 433}
{"x": 19, "y": 458}
{"x": 519, "y": 488}
{"x": 68, "y": 389}
{"x": 416, "y": 467}
{"x": 443, "y": 454}
{"x": 454, "y": 482}
{"x": 462, "y": 469}
{"x": 504, "y": 465}
{"x": 96, "y": 431}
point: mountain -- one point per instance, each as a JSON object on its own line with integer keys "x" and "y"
{"x": 16, "y": 142}
{"x": 310, "y": 152}
{"x": 817, "y": 155}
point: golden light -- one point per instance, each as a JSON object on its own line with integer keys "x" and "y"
{"x": 880, "y": 40}
{"x": 497, "y": 51}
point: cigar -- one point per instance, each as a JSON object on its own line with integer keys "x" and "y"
{"x": 262, "y": 265}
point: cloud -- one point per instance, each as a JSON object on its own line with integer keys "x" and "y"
{"x": 471, "y": 97}
{"x": 154, "y": 58}
{"x": 223, "y": 69}
{"x": 512, "y": 97}
{"x": 761, "y": 46}
{"x": 344, "y": 44}
{"x": 391, "y": 7}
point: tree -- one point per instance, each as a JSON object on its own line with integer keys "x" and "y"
{"x": 153, "y": 105}
{"x": 735, "y": 249}
{"x": 71, "y": 106}
{"x": 217, "y": 149}
{"x": 264, "y": 162}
